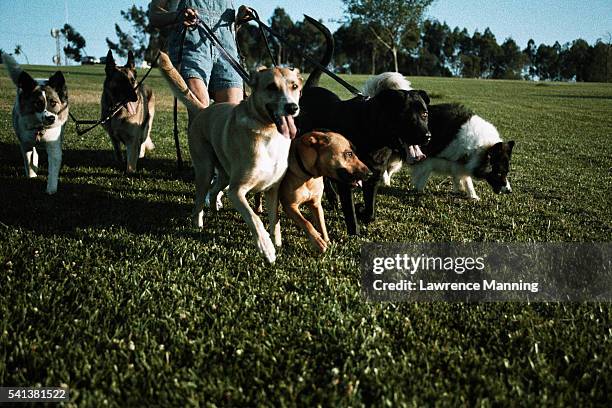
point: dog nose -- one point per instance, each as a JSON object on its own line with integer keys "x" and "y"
{"x": 49, "y": 120}
{"x": 291, "y": 108}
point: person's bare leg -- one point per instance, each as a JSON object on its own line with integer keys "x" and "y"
{"x": 233, "y": 95}
{"x": 199, "y": 89}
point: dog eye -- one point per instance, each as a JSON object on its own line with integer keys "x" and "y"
{"x": 348, "y": 155}
{"x": 294, "y": 87}
{"x": 424, "y": 115}
{"x": 53, "y": 103}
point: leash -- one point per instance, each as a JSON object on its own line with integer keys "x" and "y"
{"x": 210, "y": 35}
{"x": 308, "y": 58}
{"x": 262, "y": 33}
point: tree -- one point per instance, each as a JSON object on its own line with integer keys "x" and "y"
{"x": 547, "y": 61}
{"x": 488, "y": 51}
{"x": 432, "y": 56}
{"x": 251, "y": 47}
{"x": 599, "y": 69}
{"x": 394, "y": 17}
{"x": 76, "y": 43}
{"x": 575, "y": 60}
{"x": 307, "y": 40}
{"x": 282, "y": 24}
{"x": 19, "y": 51}
{"x": 143, "y": 40}
{"x": 530, "y": 57}
{"x": 356, "y": 49}
{"x": 510, "y": 61}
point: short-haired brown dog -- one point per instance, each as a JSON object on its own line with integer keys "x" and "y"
{"x": 247, "y": 143}
{"x": 313, "y": 156}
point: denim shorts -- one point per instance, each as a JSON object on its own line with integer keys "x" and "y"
{"x": 201, "y": 59}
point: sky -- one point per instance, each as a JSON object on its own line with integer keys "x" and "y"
{"x": 28, "y": 23}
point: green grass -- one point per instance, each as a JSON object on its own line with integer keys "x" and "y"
{"x": 106, "y": 288}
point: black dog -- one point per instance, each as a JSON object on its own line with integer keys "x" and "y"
{"x": 390, "y": 121}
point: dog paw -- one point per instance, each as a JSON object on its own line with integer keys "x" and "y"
{"x": 319, "y": 243}
{"x": 219, "y": 202}
{"x": 198, "y": 220}
{"x": 51, "y": 191}
{"x": 146, "y": 148}
{"x": 364, "y": 216}
{"x": 266, "y": 248}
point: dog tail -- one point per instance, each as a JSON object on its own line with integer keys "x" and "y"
{"x": 315, "y": 75}
{"x": 178, "y": 85}
{"x": 13, "y": 68}
{"x": 387, "y": 80}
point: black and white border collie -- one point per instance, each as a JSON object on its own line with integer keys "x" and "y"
{"x": 463, "y": 145}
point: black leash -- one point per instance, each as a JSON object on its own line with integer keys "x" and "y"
{"x": 308, "y": 58}
{"x": 263, "y": 35}
{"x": 208, "y": 33}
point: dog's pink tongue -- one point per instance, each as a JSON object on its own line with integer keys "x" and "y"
{"x": 415, "y": 154}
{"x": 288, "y": 128}
{"x": 131, "y": 107}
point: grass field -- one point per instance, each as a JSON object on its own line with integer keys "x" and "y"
{"x": 106, "y": 288}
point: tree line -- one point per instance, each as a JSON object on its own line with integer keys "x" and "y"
{"x": 386, "y": 35}
{"x": 431, "y": 48}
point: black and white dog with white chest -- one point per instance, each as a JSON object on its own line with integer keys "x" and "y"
{"x": 463, "y": 145}
{"x": 39, "y": 117}
{"x": 392, "y": 120}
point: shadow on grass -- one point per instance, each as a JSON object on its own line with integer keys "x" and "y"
{"x": 79, "y": 205}
{"x": 163, "y": 169}
{"x": 104, "y": 202}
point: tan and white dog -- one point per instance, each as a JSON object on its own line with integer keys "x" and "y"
{"x": 132, "y": 124}
{"x": 247, "y": 143}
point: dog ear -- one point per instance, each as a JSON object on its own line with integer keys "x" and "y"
{"x": 110, "y": 62}
{"x": 26, "y": 83}
{"x": 511, "y": 146}
{"x": 254, "y": 74}
{"x": 58, "y": 82}
{"x": 254, "y": 79}
{"x": 424, "y": 95}
{"x": 130, "y": 62}
{"x": 316, "y": 139}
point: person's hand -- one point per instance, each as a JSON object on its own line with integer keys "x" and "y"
{"x": 189, "y": 17}
{"x": 244, "y": 15}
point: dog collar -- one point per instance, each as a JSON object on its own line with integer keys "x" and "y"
{"x": 301, "y": 164}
